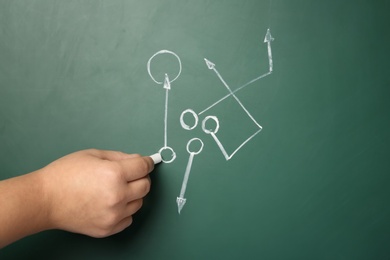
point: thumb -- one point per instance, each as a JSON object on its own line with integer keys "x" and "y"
{"x": 137, "y": 167}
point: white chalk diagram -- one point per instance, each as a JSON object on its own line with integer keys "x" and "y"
{"x": 167, "y": 86}
{"x": 181, "y": 200}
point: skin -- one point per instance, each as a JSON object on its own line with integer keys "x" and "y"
{"x": 92, "y": 192}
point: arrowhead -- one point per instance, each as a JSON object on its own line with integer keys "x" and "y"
{"x": 209, "y": 64}
{"x": 268, "y": 37}
{"x": 167, "y": 83}
{"x": 180, "y": 203}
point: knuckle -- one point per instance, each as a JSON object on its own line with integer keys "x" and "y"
{"x": 135, "y": 206}
{"x": 130, "y": 219}
{"x": 114, "y": 168}
{"x": 146, "y": 186}
{"x": 139, "y": 204}
{"x": 143, "y": 166}
{"x": 110, "y": 221}
{"x": 113, "y": 198}
{"x": 126, "y": 223}
{"x": 113, "y": 172}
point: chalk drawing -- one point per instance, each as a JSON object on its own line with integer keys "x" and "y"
{"x": 268, "y": 39}
{"x": 183, "y": 124}
{"x": 227, "y": 156}
{"x": 211, "y": 66}
{"x": 166, "y": 82}
{"x": 163, "y": 52}
{"x": 167, "y": 86}
{"x": 213, "y": 133}
{"x": 181, "y": 200}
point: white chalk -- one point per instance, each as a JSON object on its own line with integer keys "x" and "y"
{"x": 156, "y": 158}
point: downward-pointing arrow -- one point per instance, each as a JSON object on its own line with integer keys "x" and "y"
{"x": 181, "y": 200}
{"x": 180, "y": 203}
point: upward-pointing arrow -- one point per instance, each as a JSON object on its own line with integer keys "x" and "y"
{"x": 167, "y": 83}
{"x": 268, "y": 39}
{"x": 268, "y": 36}
{"x": 209, "y": 64}
{"x": 167, "y": 86}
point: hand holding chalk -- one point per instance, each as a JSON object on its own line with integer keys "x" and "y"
{"x": 92, "y": 192}
{"x": 96, "y": 192}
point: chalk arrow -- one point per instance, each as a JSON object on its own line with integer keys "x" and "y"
{"x": 180, "y": 203}
{"x": 268, "y": 36}
{"x": 209, "y": 64}
{"x": 181, "y": 200}
{"x": 268, "y": 39}
{"x": 167, "y": 83}
{"x": 167, "y": 86}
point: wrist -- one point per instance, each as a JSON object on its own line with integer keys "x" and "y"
{"x": 47, "y": 201}
{"x": 43, "y": 201}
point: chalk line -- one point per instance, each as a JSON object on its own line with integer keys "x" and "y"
{"x": 238, "y": 89}
{"x": 213, "y": 133}
{"x": 232, "y": 94}
{"x": 222, "y": 148}
{"x": 173, "y": 154}
{"x": 268, "y": 39}
{"x": 163, "y": 52}
{"x": 181, "y": 200}
{"x": 210, "y": 65}
{"x": 183, "y": 124}
{"x": 167, "y": 86}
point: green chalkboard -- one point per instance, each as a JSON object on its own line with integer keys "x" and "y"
{"x": 312, "y": 184}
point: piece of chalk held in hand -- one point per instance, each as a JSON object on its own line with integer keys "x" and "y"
{"x": 156, "y": 158}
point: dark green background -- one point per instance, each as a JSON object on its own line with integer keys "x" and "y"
{"x": 314, "y": 184}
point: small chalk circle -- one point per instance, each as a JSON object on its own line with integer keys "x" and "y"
{"x": 156, "y": 158}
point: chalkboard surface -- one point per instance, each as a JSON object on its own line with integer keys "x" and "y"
{"x": 312, "y": 184}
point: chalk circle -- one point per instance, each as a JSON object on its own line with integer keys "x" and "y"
{"x": 170, "y": 149}
{"x": 164, "y": 52}
{"x": 183, "y": 124}
{"x": 207, "y": 131}
{"x": 192, "y": 140}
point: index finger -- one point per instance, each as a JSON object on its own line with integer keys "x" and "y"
{"x": 136, "y": 168}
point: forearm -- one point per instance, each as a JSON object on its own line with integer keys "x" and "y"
{"x": 23, "y": 207}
